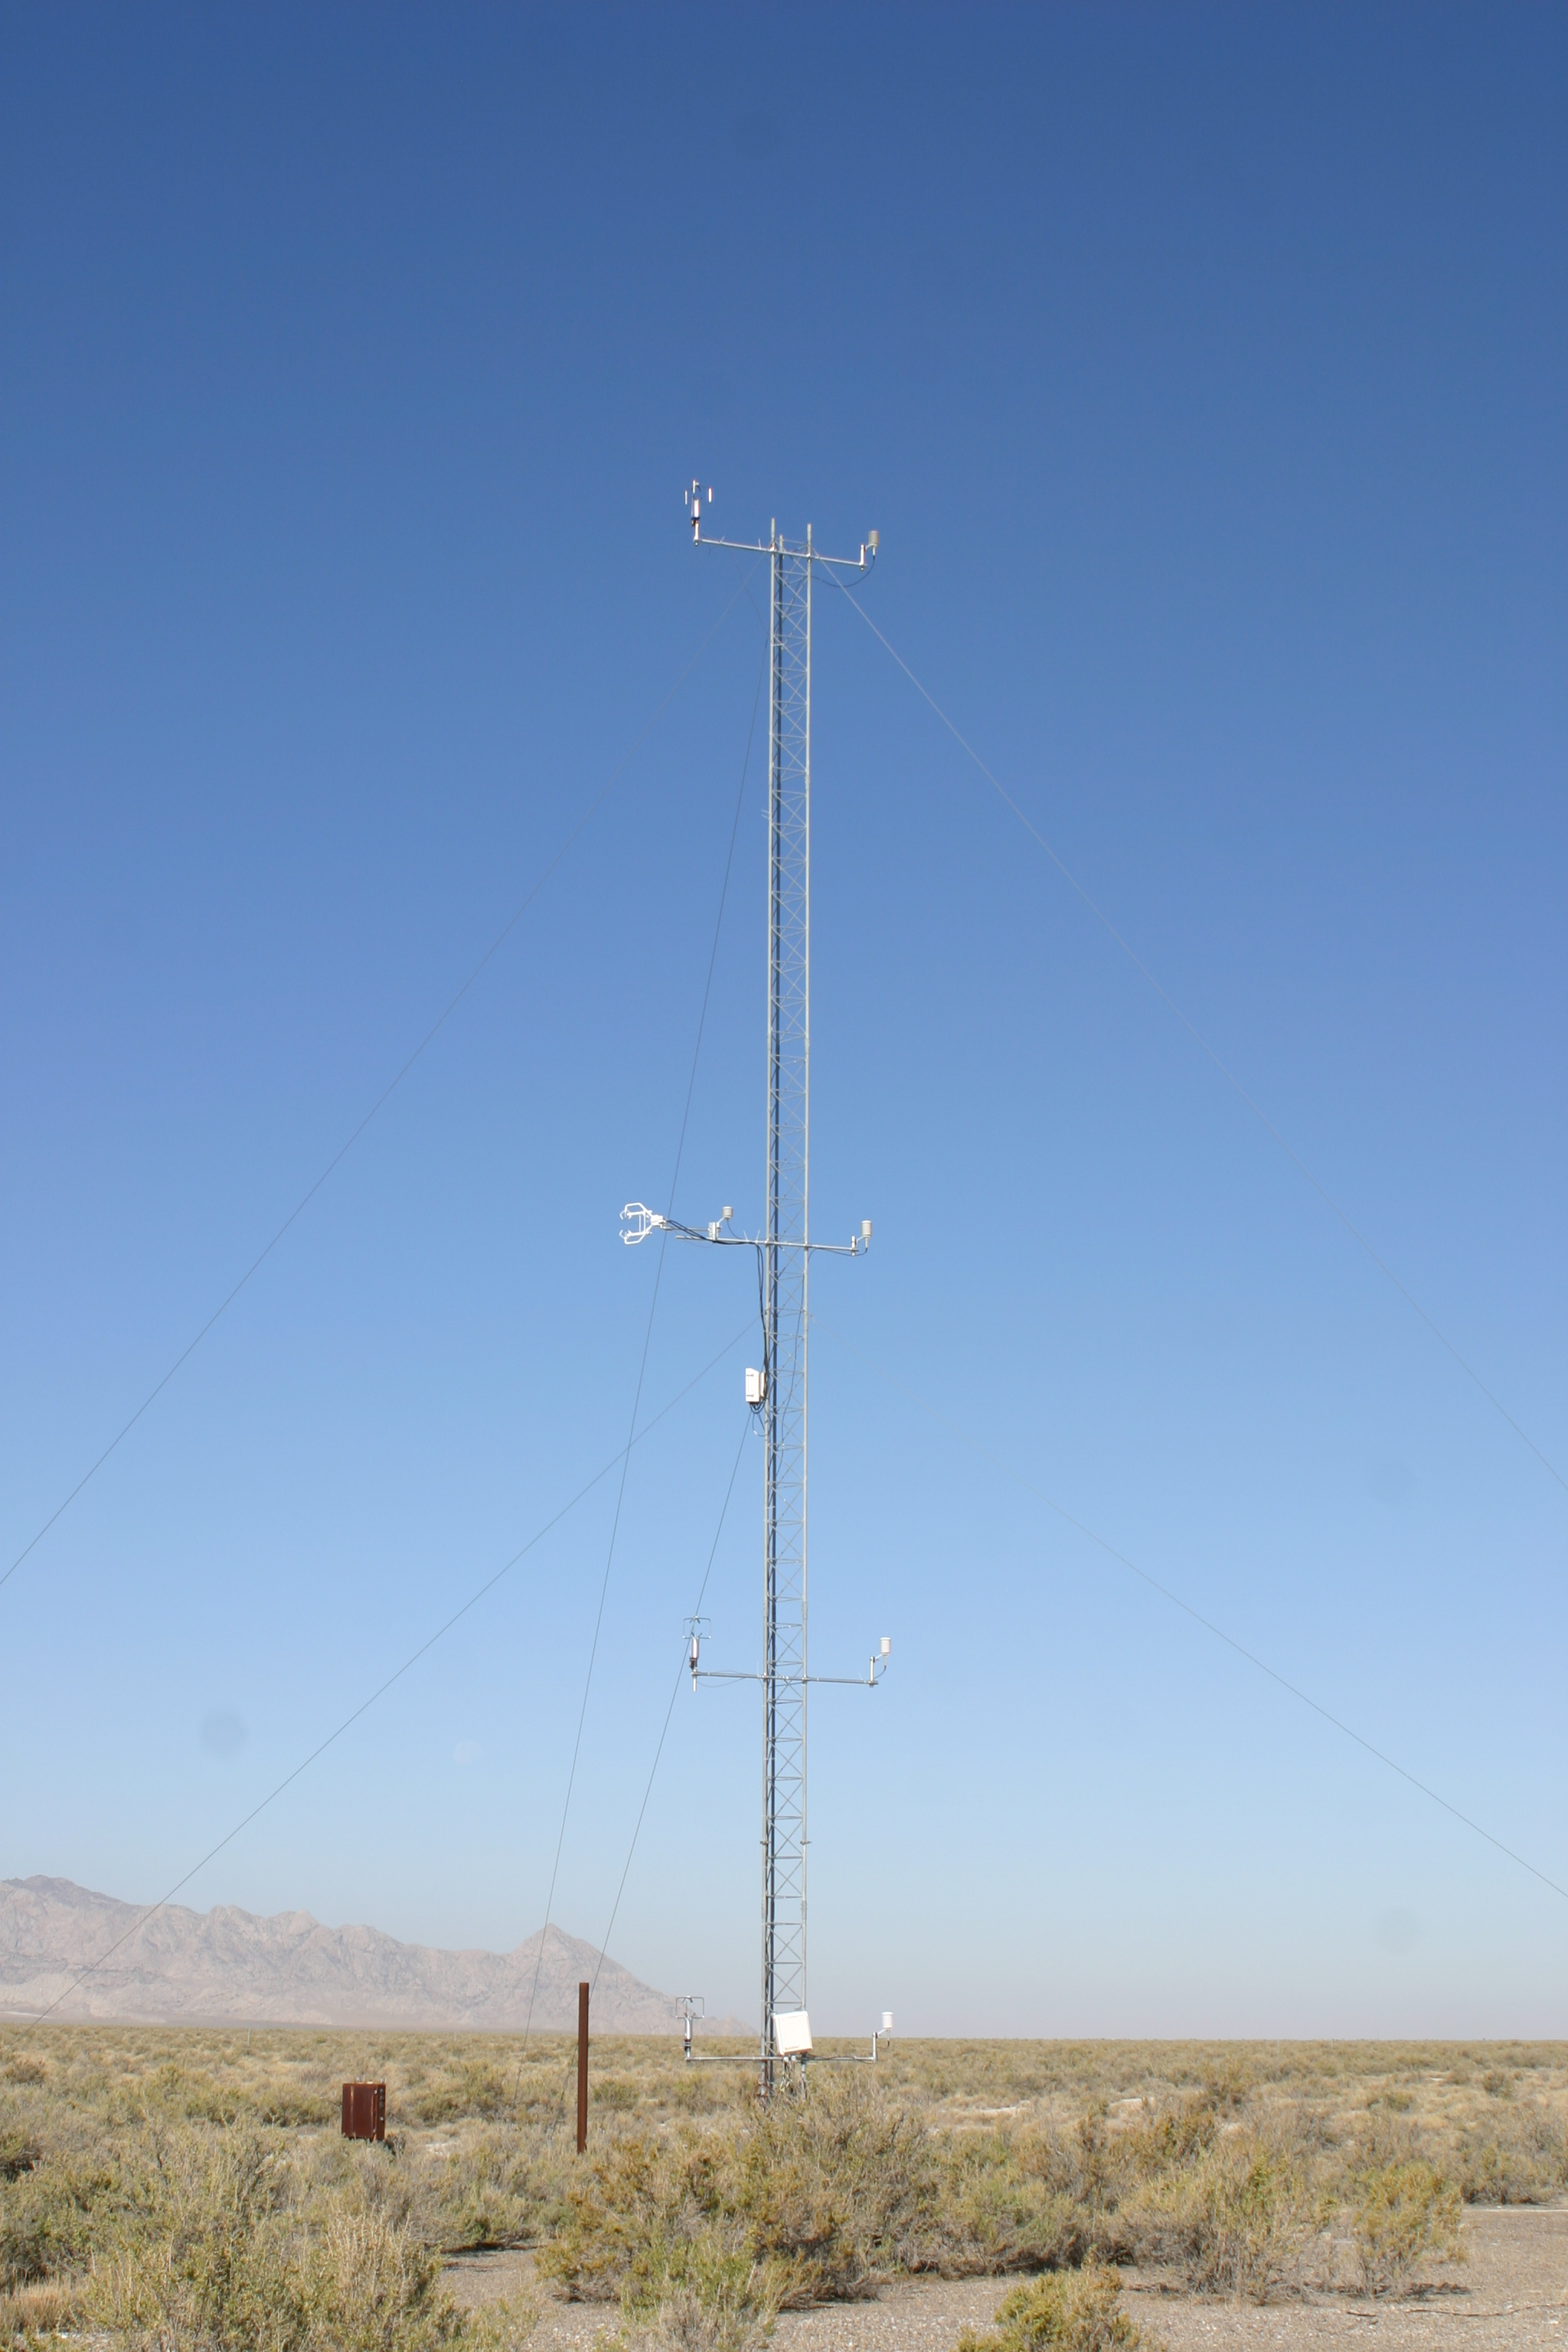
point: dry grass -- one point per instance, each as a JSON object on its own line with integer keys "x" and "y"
{"x": 1254, "y": 2171}
{"x": 30, "y": 2314}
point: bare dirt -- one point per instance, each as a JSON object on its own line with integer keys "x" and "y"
{"x": 1510, "y": 2296}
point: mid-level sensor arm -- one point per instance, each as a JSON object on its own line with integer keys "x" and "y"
{"x": 637, "y": 1222}
{"x": 877, "y": 1666}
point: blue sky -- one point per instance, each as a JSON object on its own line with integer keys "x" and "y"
{"x": 1203, "y": 370}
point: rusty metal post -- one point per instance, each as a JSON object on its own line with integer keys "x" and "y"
{"x": 581, "y": 2068}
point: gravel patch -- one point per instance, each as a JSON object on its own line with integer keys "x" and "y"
{"x": 1510, "y": 2296}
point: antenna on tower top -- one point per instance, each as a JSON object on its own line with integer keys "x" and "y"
{"x": 693, "y": 504}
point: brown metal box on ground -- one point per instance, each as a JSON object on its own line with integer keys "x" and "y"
{"x": 364, "y": 2110}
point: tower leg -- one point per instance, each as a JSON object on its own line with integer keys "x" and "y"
{"x": 785, "y": 1286}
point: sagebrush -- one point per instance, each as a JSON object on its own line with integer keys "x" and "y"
{"x": 192, "y": 2188}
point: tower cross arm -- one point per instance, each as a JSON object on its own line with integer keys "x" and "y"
{"x": 777, "y": 545}
{"x": 807, "y": 554}
{"x": 638, "y": 1221}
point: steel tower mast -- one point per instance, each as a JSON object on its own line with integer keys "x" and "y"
{"x": 786, "y": 1269}
{"x": 786, "y": 1273}
{"x": 785, "y": 1248}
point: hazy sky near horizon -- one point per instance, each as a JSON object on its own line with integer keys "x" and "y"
{"x": 1202, "y": 371}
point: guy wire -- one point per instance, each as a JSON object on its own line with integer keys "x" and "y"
{"x": 648, "y": 1342}
{"x": 1186, "y": 1608}
{"x": 1201, "y": 1040}
{"x": 658, "y": 1751}
{"x": 387, "y": 1091}
{"x": 380, "y": 1692}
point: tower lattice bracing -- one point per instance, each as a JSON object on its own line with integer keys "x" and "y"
{"x": 777, "y": 1391}
{"x": 785, "y": 1275}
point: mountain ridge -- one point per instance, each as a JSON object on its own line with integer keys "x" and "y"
{"x": 229, "y": 1966}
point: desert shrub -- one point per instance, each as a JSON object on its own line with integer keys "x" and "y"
{"x": 1090, "y": 2166}
{"x": 1306, "y": 2131}
{"x": 1077, "y": 2312}
{"x": 631, "y": 2192}
{"x": 1381, "y": 2139}
{"x": 209, "y": 2250}
{"x": 704, "y": 2291}
{"x": 365, "y": 2286}
{"x": 287, "y": 2077}
{"x": 196, "y": 2253}
{"x": 467, "y": 2086}
{"x": 1226, "y": 2082}
{"x": 504, "y": 2188}
{"x": 1171, "y": 2138}
{"x": 1099, "y": 2164}
{"x": 32, "y": 2243}
{"x": 47, "y": 2218}
{"x": 703, "y": 2089}
{"x": 286, "y": 2105}
{"x": 504, "y": 2325}
{"x": 1522, "y": 2160}
{"x": 866, "y": 2178}
{"x": 1402, "y": 2214}
{"x": 329, "y": 2172}
{"x": 840, "y": 2183}
{"x": 486, "y": 2088}
{"x": 1238, "y": 2222}
{"x": 993, "y": 2214}
{"x": 838, "y": 2189}
{"x": 1498, "y": 2085}
{"x": 847, "y": 2188}
{"x": 181, "y": 2094}
{"x": 440, "y": 2102}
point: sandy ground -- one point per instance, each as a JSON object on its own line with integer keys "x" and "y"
{"x": 1511, "y": 2294}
